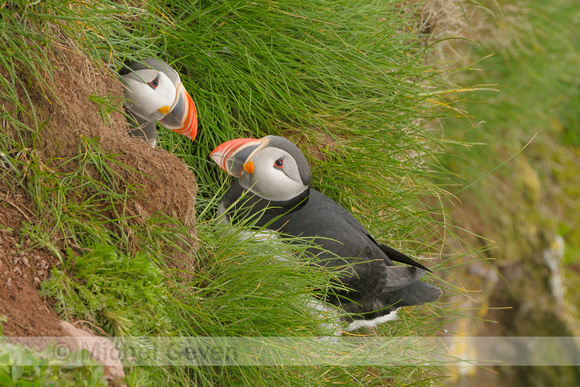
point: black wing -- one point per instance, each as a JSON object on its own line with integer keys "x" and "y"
{"x": 372, "y": 278}
{"x": 417, "y": 293}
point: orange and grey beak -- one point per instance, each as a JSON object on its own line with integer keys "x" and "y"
{"x": 234, "y": 156}
{"x": 182, "y": 117}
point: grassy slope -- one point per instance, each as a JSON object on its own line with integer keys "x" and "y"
{"x": 315, "y": 71}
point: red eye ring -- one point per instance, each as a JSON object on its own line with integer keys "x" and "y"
{"x": 279, "y": 164}
{"x": 154, "y": 83}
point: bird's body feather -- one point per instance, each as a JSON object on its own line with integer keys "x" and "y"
{"x": 273, "y": 191}
{"x": 341, "y": 243}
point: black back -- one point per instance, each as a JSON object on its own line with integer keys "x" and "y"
{"x": 366, "y": 266}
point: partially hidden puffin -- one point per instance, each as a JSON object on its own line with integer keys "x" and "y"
{"x": 274, "y": 186}
{"x": 155, "y": 93}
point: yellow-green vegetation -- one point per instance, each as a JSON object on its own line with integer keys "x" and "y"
{"x": 522, "y": 167}
{"x": 530, "y": 118}
{"x": 526, "y": 130}
{"x": 22, "y": 366}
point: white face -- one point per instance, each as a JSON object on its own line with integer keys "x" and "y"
{"x": 149, "y": 91}
{"x": 276, "y": 175}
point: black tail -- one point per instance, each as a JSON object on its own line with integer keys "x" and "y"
{"x": 370, "y": 308}
{"x": 396, "y": 255}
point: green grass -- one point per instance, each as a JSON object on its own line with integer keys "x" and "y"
{"x": 22, "y": 366}
{"x": 350, "y": 73}
{"x": 527, "y": 126}
{"x": 123, "y": 294}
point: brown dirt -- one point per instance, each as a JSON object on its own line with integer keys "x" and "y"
{"x": 167, "y": 184}
{"x": 21, "y": 271}
{"x": 168, "y": 187}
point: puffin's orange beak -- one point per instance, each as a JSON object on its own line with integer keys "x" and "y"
{"x": 233, "y": 156}
{"x": 182, "y": 118}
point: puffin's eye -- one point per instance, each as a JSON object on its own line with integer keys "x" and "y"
{"x": 279, "y": 164}
{"x": 154, "y": 83}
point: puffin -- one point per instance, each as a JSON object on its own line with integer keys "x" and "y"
{"x": 154, "y": 93}
{"x": 272, "y": 190}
